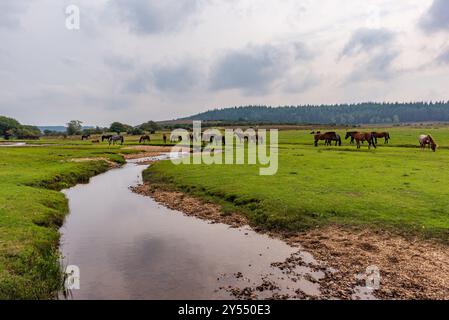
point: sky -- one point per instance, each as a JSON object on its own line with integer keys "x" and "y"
{"x": 139, "y": 60}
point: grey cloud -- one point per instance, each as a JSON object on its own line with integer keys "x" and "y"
{"x": 366, "y": 40}
{"x": 155, "y": 16}
{"x": 443, "y": 58}
{"x": 172, "y": 78}
{"x": 253, "y": 69}
{"x": 302, "y": 51}
{"x": 10, "y": 13}
{"x": 379, "y": 67}
{"x": 181, "y": 77}
{"x": 437, "y": 17}
{"x": 119, "y": 62}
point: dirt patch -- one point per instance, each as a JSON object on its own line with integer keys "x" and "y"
{"x": 110, "y": 163}
{"x": 146, "y": 151}
{"x": 409, "y": 268}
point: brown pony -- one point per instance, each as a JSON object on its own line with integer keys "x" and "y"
{"x": 144, "y": 138}
{"x": 327, "y": 137}
{"x": 164, "y": 137}
{"x": 362, "y": 137}
{"x": 385, "y": 135}
{"x": 350, "y": 134}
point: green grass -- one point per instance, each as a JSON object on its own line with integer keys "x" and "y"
{"x": 396, "y": 187}
{"x": 31, "y": 211}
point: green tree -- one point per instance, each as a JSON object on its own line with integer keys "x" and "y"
{"x": 8, "y": 126}
{"x": 118, "y": 127}
{"x": 150, "y": 126}
{"x": 74, "y": 127}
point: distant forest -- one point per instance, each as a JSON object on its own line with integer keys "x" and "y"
{"x": 345, "y": 114}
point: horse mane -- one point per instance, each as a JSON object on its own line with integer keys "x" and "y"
{"x": 431, "y": 139}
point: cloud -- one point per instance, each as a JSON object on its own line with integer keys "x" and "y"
{"x": 119, "y": 62}
{"x": 443, "y": 58}
{"x": 155, "y": 16}
{"x": 10, "y": 13}
{"x": 437, "y": 17}
{"x": 375, "y": 49}
{"x": 180, "y": 77}
{"x": 378, "y": 67}
{"x": 302, "y": 51}
{"x": 366, "y": 40}
{"x": 253, "y": 69}
{"x": 176, "y": 78}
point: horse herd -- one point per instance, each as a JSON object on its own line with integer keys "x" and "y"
{"x": 328, "y": 137}
{"x": 113, "y": 139}
{"x": 369, "y": 137}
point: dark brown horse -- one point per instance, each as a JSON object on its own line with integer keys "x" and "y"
{"x": 85, "y": 137}
{"x": 164, "y": 137}
{"x": 144, "y": 138}
{"x": 350, "y": 134}
{"x": 106, "y": 137}
{"x": 362, "y": 137}
{"x": 327, "y": 137}
{"x": 385, "y": 135}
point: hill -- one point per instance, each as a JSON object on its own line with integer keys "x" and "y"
{"x": 362, "y": 113}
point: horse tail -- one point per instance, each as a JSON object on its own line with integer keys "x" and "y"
{"x": 339, "y": 141}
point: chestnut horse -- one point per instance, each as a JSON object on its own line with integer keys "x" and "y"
{"x": 327, "y": 137}
{"x": 362, "y": 137}
{"x": 427, "y": 140}
{"x": 385, "y": 135}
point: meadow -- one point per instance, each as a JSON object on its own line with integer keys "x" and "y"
{"x": 396, "y": 186}
{"x": 32, "y": 209}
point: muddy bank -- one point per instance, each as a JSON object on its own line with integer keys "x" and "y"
{"x": 146, "y": 151}
{"x": 409, "y": 268}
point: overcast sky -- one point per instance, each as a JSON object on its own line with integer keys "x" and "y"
{"x": 139, "y": 60}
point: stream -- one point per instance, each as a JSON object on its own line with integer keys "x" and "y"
{"x": 127, "y": 246}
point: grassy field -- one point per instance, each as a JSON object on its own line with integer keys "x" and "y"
{"x": 32, "y": 209}
{"x": 396, "y": 186}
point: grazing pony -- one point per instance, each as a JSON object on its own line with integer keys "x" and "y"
{"x": 427, "y": 140}
{"x": 85, "y": 137}
{"x": 350, "y": 134}
{"x": 362, "y": 137}
{"x": 327, "y": 137}
{"x": 114, "y": 139}
{"x": 106, "y": 137}
{"x": 385, "y": 135}
{"x": 337, "y": 140}
{"x": 96, "y": 141}
{"x": 144, "y": 138}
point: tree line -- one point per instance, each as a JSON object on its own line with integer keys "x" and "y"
{"x": 10, "y": 127}
{"x": 338, "y": 114}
